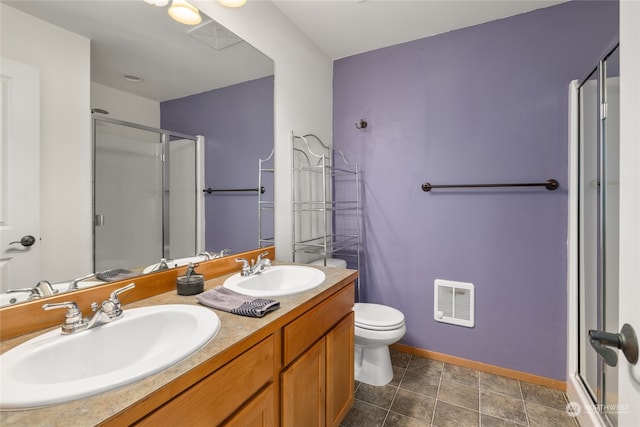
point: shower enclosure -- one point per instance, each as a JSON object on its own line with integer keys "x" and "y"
{"x": 598, "y": 229}
{"x": 147, "y": 193}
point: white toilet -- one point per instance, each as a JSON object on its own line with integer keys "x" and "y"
{"x": 376, "y": 327}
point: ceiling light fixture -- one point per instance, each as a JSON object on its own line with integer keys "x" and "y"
{"x": 232, "y": 3}
{"x": 159, "y": 3}
{"x": 184, "y": 13}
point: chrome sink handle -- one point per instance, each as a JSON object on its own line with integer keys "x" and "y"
{"x": 221, "y": 253}
{"x": 263, "y": 254}
{"x": 73, "y": 285}
{"x": 246, "y": 267}
{"x": 42, "y": 289}
{"x": 34, "y": 293}
{"x": 73, "y": 321}
{"x": 112, "y": 307}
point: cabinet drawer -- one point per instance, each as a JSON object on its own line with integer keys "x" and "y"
{"x": 259, "y": 412}
{"x": 301, "y": 333}
{"x": 216, "y": 397}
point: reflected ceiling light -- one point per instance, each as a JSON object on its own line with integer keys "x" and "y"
{"x": 159, "y": 3}
{"x": 184, "y": 13}
{"x": 232, "y": 3}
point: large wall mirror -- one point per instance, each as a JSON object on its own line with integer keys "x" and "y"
{"x": 128, "y": 61}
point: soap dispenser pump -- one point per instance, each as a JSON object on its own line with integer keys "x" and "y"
{"x": 191, "y": 283}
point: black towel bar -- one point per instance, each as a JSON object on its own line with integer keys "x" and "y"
{"x": 229, "y": 190}
{"x": 550, "y": 185}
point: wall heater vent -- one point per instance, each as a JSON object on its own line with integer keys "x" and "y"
{"x": 454, "y": 302}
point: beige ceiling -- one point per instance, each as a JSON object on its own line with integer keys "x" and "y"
{"x": 348, "y": 27}
{"x": 133, "y": 37}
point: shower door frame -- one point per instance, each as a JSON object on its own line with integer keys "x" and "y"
{"x": 577, "y": 389}
{"x": 165, "y": 140}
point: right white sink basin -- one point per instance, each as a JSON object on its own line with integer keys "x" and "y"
{"x": 276, "y": 281}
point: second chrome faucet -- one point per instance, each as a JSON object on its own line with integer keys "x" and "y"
{"x": 256, "y": 267}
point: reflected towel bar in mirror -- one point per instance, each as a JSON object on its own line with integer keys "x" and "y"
{"x": 550, "y": 185}
{"x": 229, "y": 190}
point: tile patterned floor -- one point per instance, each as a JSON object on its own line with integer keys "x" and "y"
{"x": 425, "y": 392}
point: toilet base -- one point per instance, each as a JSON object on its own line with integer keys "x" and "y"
{"x": 372, "y": 365}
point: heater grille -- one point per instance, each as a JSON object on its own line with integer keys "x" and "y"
{"x": 453, "y": 302}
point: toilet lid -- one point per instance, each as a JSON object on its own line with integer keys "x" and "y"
{"x": 377, "y": 317}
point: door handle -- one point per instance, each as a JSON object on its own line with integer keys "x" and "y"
{"x": 26, "y": 241}
{"x": 626, "y": 341}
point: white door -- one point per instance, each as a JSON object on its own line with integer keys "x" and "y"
{"x": 629, "y": 297}
{"x": 20, "y": 175}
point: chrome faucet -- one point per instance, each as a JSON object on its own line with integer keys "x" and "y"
{"x": 256, "y": 267}
{"x": 221, "y": 254}
{"x": 42, "y": 289}
{"x": 108, "y": 311}
{"x": 209, "y": 256}
{"x": 162, "y": 265}
{"x": 73, "y": 285}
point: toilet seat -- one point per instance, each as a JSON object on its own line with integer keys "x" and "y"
{"x": 377, "y": 317}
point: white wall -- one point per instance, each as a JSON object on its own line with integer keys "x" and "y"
{"x": 65, "y": 129}
{"x": 125, "y": 106}
{"x": 628, "y": 375}
{"x": 303, "y": 91}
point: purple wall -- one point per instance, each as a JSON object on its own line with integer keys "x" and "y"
{"x": 482, "y": 104}
{"x": 237, "y": 123}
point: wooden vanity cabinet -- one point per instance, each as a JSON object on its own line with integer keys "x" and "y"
{"x": 317, "y": 382}
{"x": 300, "y": 375}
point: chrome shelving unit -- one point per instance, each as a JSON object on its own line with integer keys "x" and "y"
{"x": 327, "y": 217}
{"x": 266, "y": 169}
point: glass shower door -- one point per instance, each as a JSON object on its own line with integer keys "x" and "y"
{"x": 599, "y": 228}
{"x": 128, "y": 179}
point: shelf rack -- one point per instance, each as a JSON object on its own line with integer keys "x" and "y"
{"x": 266, "y": 171}
{"x": 326, "y": 203}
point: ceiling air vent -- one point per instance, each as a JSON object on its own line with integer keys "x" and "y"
{"x": 214, "y": 35}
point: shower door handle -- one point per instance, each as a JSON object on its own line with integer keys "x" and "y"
{"x": 626, "y": 341}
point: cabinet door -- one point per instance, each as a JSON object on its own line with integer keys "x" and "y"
{"x": 303, "y": 389}
{"x": 259, "y": 412}
{"x": 339, "y": 370}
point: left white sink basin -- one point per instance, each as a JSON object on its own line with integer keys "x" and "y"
{"x": 54, "y": 368}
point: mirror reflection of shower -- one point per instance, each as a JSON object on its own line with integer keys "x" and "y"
{"x": 146, "y": 187}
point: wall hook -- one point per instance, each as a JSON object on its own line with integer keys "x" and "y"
{"x": 362, "y": 125}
